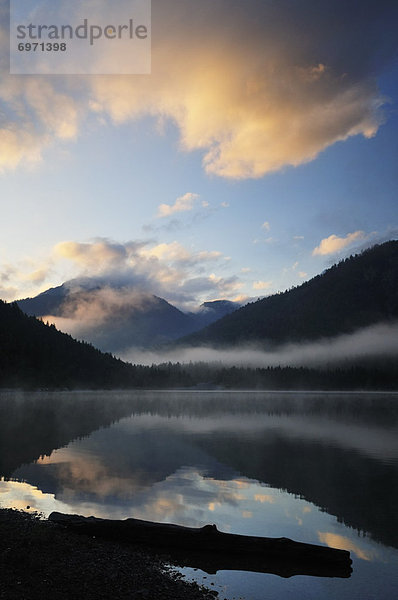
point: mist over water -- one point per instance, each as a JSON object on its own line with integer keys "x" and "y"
{"x": 315, "y": 467}
{"x": 374, "y": 342}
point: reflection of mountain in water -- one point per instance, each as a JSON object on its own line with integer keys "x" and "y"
{"x": 359, "y": 490}
{"x": 34, "y": 424}
{"x": 115, "y": 466}
{"x": 339, "y": 452}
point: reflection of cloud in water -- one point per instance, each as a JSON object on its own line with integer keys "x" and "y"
{"x": 20, "y": 495}
{"x": 264, "y": 498}
{"x": 193, "y": 469}
{"x": 334, "y": 540}
{"x": 87, "y": 475}
{"x": 186, "y": 497}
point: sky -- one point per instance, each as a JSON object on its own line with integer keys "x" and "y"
{"x": 261, "y": 149}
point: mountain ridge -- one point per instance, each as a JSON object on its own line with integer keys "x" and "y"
{"x": 34, "y": 355}
{"x": 118, "y": 317}
{"x": 356, "y": 292}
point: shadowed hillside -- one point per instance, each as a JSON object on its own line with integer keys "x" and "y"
{"x": 116, "y": 317}
{"x": 359, "y": 291}
{"x": 33, "y": 354}
{"x": 36, "y": 356}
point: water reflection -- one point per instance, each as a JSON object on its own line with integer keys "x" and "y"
{"x": 313, "y": 467}
{"x": 182, "y": 456}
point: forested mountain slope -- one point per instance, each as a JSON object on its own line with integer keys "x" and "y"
{"x": 357, "y": 292}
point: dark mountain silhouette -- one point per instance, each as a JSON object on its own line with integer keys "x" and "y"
{"x": 116, "y": 317}
{"x": 47, "y": 303}
{"x": 359, "y": 291}
{"x": 33, "y": 354}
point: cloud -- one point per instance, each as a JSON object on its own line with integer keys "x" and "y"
{"x": 174, "y": 252}
{"x": 254, "y": 107}
{"x": 334, "y": 244}
{"x": 182, "y": 204}
{"x": 266, "y": 226}
{"x": 115, "y": 283}
{"x": 168, "y": 270}
{"x": 8, "y": 293}
{"x": 24, "y": 275}
{"x": 254, "y": 87}
{"x": 103, "y": 315}
{"x": 262, "y": 285}
{"x": 38, "y": 276}
{"x": 99, "y": 255}
{"x": 376, "y": 237}
{"x": 224, "y": 287}
{"x": 376, "y": 341}
{"x": 35, "y": 112}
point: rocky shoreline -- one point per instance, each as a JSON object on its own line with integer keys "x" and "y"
{"x": 38, "y": 559}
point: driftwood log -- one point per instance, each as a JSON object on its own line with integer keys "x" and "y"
{"x": 212, "y": 550}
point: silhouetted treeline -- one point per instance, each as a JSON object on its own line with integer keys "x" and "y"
{"x": 359, "y": 291}
{"x": 34, "y": 355}
{"x": 205, "y": 376}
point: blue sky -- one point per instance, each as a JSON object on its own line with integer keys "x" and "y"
{"x": 294, "y": 150}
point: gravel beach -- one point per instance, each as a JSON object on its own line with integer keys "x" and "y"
{"x": 39, "y": 559}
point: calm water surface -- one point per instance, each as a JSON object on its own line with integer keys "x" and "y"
{"x": 318, "y": 468}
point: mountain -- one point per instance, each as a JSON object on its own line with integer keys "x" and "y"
{"x": 34, "y": 355}
{"x": 212, "y": 311}
{"x": 115, "y": 318}
{"x": 357, "y": 292}
{"x": 47, "y": 303}
{"x": 112, "y": 318}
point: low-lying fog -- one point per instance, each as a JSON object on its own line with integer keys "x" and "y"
{"x": 378, "y": 341}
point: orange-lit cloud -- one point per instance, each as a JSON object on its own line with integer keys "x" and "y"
{"x": 39, "y": 113}
{"x": 334, "y": 244}
{"x": 98, "y": 255}
{"x": 262, "y": 285}
{"x": 169, "y": 270}
{"x": 250, "y": 102}
{"x": 182, "y": 204}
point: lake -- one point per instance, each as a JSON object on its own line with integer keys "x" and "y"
{"x": 315, "y": 467}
